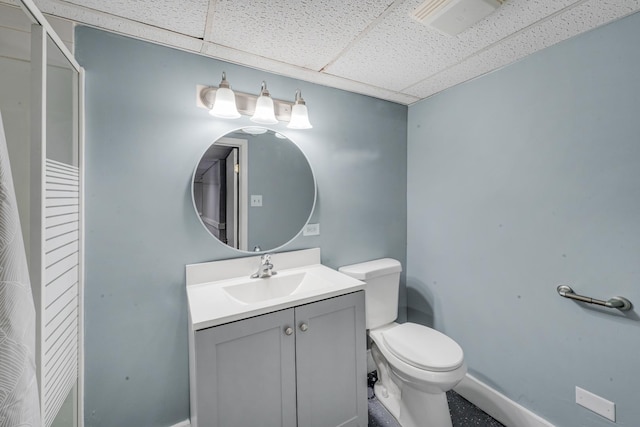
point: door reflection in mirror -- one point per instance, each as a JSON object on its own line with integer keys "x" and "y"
{"x": 253, "y": 190}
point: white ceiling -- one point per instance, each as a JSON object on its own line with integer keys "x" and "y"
{"x": 371, "y": 47}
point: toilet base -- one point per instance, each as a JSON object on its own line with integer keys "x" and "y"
{"x": 415, "y": 408}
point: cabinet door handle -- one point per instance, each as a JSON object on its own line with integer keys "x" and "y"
{"x": 288, "y": 330}
{"x": 304, "y": 327}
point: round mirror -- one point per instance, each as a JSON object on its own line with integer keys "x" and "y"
{"x": 253, "y": 189}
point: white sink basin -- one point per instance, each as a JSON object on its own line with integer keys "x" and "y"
{"x": 219, "y": 292}
{"x": 258, "y": 290}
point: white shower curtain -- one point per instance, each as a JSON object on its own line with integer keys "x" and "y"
{"x": 19, "y": 405}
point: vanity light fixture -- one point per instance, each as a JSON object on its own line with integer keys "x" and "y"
{"x": 222, "y": 102}
{"x": 299, "y": 114}
{"x": 224, "y": 105}
{"x": 264, "y": 113}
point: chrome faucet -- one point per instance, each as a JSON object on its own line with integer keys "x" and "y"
{"x": 266, "y": 268}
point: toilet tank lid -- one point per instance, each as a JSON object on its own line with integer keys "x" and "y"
{"x": 371, "y": 269}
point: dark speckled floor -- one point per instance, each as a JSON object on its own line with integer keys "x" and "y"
{"x": 463, "y": 413}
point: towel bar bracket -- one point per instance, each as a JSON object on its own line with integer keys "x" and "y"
{"x": 621, "y": 303}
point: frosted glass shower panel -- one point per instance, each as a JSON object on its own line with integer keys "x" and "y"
{"x": 60, "y": 339}
{"x": 62, "y": 107}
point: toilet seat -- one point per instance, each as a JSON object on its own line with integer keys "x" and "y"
{"x": 423, "y": 347}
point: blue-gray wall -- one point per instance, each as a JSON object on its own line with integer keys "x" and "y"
{"x": 144, "y": 136}
{"x": 518, "y": 181}
{"x": 280, "y": 173}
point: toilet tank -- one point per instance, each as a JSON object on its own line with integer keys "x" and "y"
{"x": 382, "y": 278}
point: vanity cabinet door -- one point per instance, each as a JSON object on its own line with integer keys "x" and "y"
{"x": 246, "y": 373}
{"x": 331, "y": 362}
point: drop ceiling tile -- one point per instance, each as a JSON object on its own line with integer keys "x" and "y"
{"x": 288, "y": 70}
{"x": 119, "y": 25}
{"x": 184, "y": 17}
{"x": 308, "y": 34}
{"x": 583, "y": 17}
{"x": 400, "y": 52}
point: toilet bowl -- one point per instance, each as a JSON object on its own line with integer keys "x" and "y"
{"x": 416, "y": 365}
{"x": 412, "y": 385}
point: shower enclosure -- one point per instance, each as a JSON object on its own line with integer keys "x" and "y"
{"x": 41, "y": 104}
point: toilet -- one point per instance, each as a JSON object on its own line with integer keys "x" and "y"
{"x": 416, "y": 365}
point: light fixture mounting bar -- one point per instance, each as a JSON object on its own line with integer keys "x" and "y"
{"x": 245, "y": 102}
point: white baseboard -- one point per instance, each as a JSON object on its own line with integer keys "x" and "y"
{"x": 499, "y": 406}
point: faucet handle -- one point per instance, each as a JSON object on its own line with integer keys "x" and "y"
{"x": 266, "y": 264}
{"x": 266, "y": 268}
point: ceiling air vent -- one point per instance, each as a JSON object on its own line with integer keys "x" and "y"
{"x": 454, "y": 16}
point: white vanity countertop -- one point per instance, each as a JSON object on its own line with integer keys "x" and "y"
{"x": 211, "y": 305}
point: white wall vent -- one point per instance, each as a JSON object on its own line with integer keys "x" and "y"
{"x": 454, "y": 16}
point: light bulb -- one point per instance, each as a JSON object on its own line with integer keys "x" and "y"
{"x": 224, "y": 105}
{"x": 264, "y": 113}
{"x": 299, "y": 114}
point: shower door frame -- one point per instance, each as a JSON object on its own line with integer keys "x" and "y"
{"x": 41, "y": 32}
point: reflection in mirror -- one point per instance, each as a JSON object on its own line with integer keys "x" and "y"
{"x": 253, "y": 189}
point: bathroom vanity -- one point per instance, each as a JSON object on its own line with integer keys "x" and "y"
{"x": 289, "y": 350}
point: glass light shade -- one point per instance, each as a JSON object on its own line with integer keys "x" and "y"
{"x": 264, "y": 113}
{"x": 224, "y": 105}
{"x": 299, "y": 117}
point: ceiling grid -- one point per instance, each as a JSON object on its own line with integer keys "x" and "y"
{"x": 373, "y": 47}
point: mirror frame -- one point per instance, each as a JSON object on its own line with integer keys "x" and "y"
{"x": 262, "y": 251}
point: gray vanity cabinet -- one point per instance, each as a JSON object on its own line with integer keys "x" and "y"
{"x": 331, "y": 362}
{"x": 245, "y": 373}
{"x": 304, "y": 366}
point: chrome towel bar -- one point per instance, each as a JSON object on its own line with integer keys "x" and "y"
{"x": 620, "y": 303}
